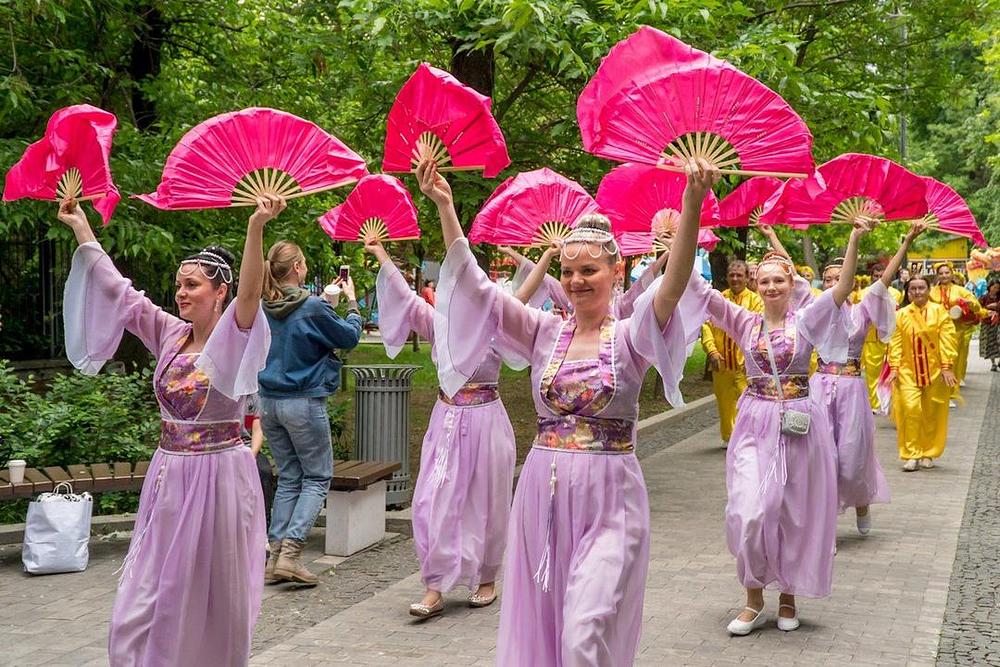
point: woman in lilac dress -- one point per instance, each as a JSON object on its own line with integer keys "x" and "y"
{"x": 461, "y": 500}
{"x": 782, "y": 509}
{"x": 578, "y": 538}
{"x": 191, "y": 584}
{"x": 842, "y": 389}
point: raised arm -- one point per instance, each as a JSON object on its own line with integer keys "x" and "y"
{"x": 892, "y": 267}
{"x": 436, "y": 187}
{"x": 701, "y": 176}
{"x": 845, "y": 284}
{"x": 252, "y": 264}
{"x": 538, "y": 273}
{"x": 772, "y": 238}
{"x": 72, "y": 215}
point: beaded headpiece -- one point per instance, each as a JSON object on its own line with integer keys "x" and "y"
{"x": 781, "y": 261}
{"x": 590, "y": 236}
{"x": 211, "y": 265}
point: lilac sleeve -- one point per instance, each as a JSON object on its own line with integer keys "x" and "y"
{"x": 879, "y": 309}
{"x": 400, "y": 311}
{"x": 99, "y": 305}
{"x": 802, "y": 294}
{"x": 824, "y": 324}
{"x": 554, "y": 290}
{"x": 233, "y": 357}
{"x": 625, "y": 304}
{"x": 666, "y": 347}
{"x": 472, "y": 312}
{"x": 549, "y": 289}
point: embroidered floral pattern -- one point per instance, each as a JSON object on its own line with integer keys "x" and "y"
{"x": 472, "y": 394}
{"x": 582, "y": 433}
{"x": 792, "y": 387}
{"x": 199, "y": 437}
{"x": 183, "y": 388}
{"x": 783, "y": 342}
{"x": 580, "y": 388}
{"x": 852, "y": 367}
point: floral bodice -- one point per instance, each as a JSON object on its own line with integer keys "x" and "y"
{"x": 182, "y": 388}
{"x": 783, "y": 344}
{"x": 581, "y": 387}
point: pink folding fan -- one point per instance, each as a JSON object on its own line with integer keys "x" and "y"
{"x": 632, "y": 195}
{"x": 234, "y": 158}
{"x": 742, "y": 206}
{"x": 948, "y": 212}
{"x": 436, "y": 116}
{"x": 378, "y": 207}
{"x": 648, "y": 102}
{"x": 646, "y": 243}
{"x": 532, "y": 208}
{"x": 848, "y": 187}
{"x": 70, "y": 161}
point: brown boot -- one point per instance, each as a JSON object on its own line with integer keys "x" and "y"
{"x": 289, "y": 565}
{"x": 273, "y": 548}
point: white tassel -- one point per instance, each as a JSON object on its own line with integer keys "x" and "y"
{"x": 544, "y": 572}
{"x": 133, "y": 551}
{"x": 440, "y": 472}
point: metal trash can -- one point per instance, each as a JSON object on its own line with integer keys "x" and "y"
{"x": 382, "y": 421}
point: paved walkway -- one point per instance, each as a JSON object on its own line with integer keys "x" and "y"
{"x": 890, "y": 590}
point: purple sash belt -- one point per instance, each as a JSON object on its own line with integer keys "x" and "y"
{"x": 471, "y": 395}
{"x": 852, "y": 368}
{"x": 792, "y": 387}
{"x": 185, "y": 437}
{"x": 589, "y": 435}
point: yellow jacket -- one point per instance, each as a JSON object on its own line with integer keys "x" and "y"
{"x": 714, "y": 339}
{"x": 949, "y": 297}
{"x": 924, "y": 342}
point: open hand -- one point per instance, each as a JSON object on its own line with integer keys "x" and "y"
{"x": 715, "y": 361}
{"x": 949, "y": 377}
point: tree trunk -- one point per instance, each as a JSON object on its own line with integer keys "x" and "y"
{"x": 147, "y": 44}
{"x": 417, "y": 278}
{"x": 720, "y": 266}
{"x": 809, "y": 251}
{"x": 475, "y": 68}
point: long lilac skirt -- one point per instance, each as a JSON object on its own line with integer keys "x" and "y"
{"x": 781, "y": 517}
{"x": 591, "y": 612}
{"x": 191, "y": 585}
{"x": 461, "y": 501}
{"x": 860, "y": 480}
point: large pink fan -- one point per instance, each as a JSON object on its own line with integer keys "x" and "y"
{"x": 379, "y": 207}
{"x": 436, "y": 116}
{"x": 645, "y": 243}
{"x": 848, "y": 187}
{"x": 71, "y": 161}
{"x": 948, "y": 212}
{"x": 234, "y": 158}
{"x": 650, "y": 105}
{"x": 532, "y": 208}
{"x": 633, "y": 195}
{"x": 742, "y": 206}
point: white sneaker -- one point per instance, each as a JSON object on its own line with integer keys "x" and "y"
{"x": 788, "y": 624}
{"x": 865, "y": 523}
{"x": 962, "y": 383}
{"x": 926, "y": 463}
{"x": 743, "y": 628}
{"x": 952, "y": 404}
{"x": 910, "y": 465}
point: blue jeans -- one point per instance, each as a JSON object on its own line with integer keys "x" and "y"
{"x": 298, "y": 433}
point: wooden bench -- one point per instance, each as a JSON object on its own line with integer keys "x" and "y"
{"x": 355, "y": 505}
{"x": 96, "y": 478}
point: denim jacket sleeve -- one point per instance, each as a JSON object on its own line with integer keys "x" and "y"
{"x": 340, "y": 333}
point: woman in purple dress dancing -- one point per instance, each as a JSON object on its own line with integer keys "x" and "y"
{"x": 191, "y": 584}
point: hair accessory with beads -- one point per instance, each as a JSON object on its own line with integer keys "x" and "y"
{"x": 211, "y": 264}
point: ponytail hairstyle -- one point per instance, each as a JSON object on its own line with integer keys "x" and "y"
{"x": 216, "y": 264}
{"x": 280, "y": 262}
{"x": 595, "y": 229}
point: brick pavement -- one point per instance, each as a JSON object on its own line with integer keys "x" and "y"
{"x": 887, "y": 605}
{"x": 889, "y": 597}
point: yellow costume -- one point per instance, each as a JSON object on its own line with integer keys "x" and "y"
{"x": 923, "y": 344}
{"x": 948, "y": 296}
{"x": 873, "y": 355}
{"x": 730, "y": 380}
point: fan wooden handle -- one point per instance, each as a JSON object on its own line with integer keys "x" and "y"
{"x": 99, "y": 195}
{"x": 738, "y": 172}
{"x": 241, "y": 202}
{"x": 440, "y": 169}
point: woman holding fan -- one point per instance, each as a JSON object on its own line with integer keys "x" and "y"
{"x": 781, "y": 466}
{"x": 578, "y": 539}
{"x": 462, "y": 496}
{"x": 191, "y": 584}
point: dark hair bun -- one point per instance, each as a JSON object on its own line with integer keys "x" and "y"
{"x": 229, "y": 257}
{"x": 594, "y": 221}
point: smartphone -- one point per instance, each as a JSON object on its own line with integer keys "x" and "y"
{"x": 345, "y": 272}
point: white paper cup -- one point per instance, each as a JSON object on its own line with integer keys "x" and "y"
{"x": 332, "y": 292}
{"x": 16, "y": 468}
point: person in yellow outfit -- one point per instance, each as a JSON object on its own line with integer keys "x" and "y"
{"x": 873, "y": 351}
{"x": 922, "y": 353}
{"x": 725, "y": 359}
{"x": 948, "y": 294}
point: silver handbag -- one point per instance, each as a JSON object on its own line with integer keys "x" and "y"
{"x": 793, "y": 422}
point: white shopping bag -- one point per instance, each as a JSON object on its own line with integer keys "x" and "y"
{"x": 57, "y": 532}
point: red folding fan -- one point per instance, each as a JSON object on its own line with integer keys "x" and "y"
{"x": 646, "y": 243}
{"x": 436, "y": 116}
{"x": 849, "y": 187}
{"x": 948, "y": 212}
{"x": 379, "y": 207}
{"x": 71, "y": 161}
{"x": 632, "y": 195}
{"x": 643, "y": 106}
{"x": 742, "y": 206}
{"x": 533, "y": 208}
{"x": 234, "y": 158}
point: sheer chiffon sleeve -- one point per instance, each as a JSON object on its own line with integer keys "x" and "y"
{"x": 549, "y": 289}
{"x": 625, "y": 304}
{"x": 400, "y": 311}
{"x": 99, "y": 305}
{"x": 824, "y": 324}
{"x": 879, "y": 309}
{"x": 233, "y": 357}
{"x": 471, "y": 313}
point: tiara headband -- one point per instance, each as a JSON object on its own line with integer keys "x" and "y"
{"x": 211, "y": 264}
{"x": 590, "y": 236}
{"x": 836, "y": 263}
{"x": 782, "y": 261}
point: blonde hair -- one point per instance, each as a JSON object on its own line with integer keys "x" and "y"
{"x": 281, "y": 259}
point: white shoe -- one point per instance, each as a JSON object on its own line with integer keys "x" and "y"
{"x": 865, "y": 523}
{"x": 952, "y": 404}
{"x": 926, "y": 463}
{"x": 910, "y": 465}
{"x": 743, "y": 628}
{"x": 788, "y": 624}
{"x": 962, "y": 383}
